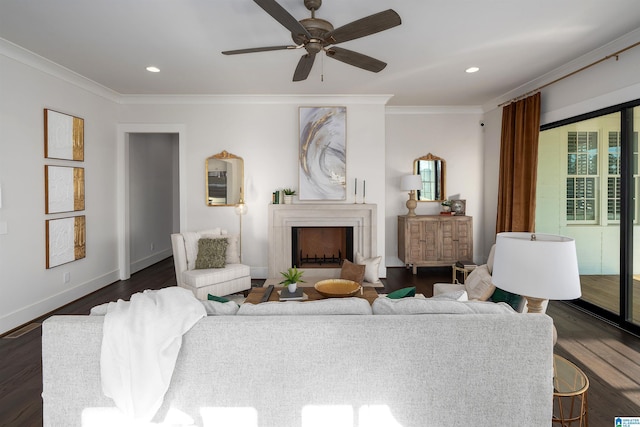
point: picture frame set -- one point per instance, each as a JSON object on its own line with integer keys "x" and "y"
{"x": 64, "y": 188}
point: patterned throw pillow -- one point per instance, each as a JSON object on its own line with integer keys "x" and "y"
{"x": 212, "y": 253}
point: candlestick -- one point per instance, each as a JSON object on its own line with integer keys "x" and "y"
{"x": 355, "y": 191}
{"x": 364, "y": 190}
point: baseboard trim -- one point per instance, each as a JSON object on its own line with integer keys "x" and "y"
{"x": 40, "y": 308}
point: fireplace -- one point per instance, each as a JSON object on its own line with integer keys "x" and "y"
{"x": 361, "y": 218}
{"x": 321, "y": 247}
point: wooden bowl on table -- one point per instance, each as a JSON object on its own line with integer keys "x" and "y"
{"x": 337, "y": 288}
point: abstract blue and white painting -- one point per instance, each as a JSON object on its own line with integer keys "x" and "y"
{"x": 323, "y": 154}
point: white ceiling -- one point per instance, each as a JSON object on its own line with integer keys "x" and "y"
{"x": 512, "y": 41}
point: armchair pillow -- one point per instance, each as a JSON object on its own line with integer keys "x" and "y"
{"x": 478, "y": 284}
{"x": 212, "y": 253}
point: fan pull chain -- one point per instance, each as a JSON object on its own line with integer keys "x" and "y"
{"x": 322, "y": 68}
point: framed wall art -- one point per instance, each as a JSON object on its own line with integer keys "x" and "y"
{"x": 322, "y": 153}
{"x": 63, "y": 189}
{"x": 66, "y": 240}
{"x": 459, "y": 207}
{"x": 63, "y": 136}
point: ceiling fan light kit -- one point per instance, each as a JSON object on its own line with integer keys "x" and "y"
{"x": 316, "y": 35}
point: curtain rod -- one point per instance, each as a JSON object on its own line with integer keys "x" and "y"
{"x": 613, "y": 55}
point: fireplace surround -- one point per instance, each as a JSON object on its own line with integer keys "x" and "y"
{"x": 282, "y": 219}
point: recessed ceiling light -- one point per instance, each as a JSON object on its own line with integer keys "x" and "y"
{"x": 153, "y": 69}
{"x": 472, "y": 69}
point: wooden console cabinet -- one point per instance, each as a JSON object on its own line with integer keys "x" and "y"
{"x": 434, "y": 240}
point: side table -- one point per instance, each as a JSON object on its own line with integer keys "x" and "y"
{"x": 570, "y": 387}
{"x": 459, "y": 267}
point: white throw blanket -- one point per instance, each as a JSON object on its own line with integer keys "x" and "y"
{"x": 140, "y": 345}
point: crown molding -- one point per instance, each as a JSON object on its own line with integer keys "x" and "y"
{"x": 253, "y": 99}
{"x": 33, "y": 60}
{"x": 435, "y": 109}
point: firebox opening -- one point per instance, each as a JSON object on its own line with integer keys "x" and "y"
{"x": 321, "y": 247}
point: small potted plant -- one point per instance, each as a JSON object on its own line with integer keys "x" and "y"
{"x": 446, "y": 205}
{"x": 288, "y": 195}
{"x": 292, "y": 277}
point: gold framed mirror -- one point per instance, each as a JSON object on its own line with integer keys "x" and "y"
{"x": 224, "y": 179}
{"x": 432, "y": 171}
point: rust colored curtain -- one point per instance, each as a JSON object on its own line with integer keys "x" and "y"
{"x": 518, "y": 165}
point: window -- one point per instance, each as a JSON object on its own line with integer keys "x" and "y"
{"x": 613, "y": 179}
{"x": 582, "y": 176}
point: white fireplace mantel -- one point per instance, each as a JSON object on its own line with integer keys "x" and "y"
{"x": 282, "y": 218}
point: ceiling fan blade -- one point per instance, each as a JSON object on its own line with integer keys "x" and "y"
{"x": 363, "y": 27}
{"x": 304, "y": 67}
{"x": 356, "y": 59}
{"x": 257, "y": 49}
{"x": 281, "y": 15}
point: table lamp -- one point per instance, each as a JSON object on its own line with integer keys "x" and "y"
{"x": 411, "y": 183}
{"x": 537, "y": 266}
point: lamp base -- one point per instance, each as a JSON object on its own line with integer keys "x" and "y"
{"x": 412, "y": 204}
{"x": 534, "y": 305}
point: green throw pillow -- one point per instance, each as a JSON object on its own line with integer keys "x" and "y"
{"x": 212, "y": 253}
{"x": 514, "y": 300}
{"x": 402, "y": 293}
{"x": 216, "y": 298}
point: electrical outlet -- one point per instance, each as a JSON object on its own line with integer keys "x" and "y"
{"x": 66, "y": 277}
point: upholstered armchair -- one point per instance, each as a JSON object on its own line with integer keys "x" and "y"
{"x": 230, "y": 277}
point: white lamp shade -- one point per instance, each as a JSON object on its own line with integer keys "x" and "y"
{"x": 411, "y": 182}
{"x": 545, "y": 268}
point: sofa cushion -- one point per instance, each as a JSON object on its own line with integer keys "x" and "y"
{"x": 216, "y": 308}
{"x": 212, "y": 253}
{"x": 431, "y": 306}
{"x": 459, "y": 295}
{"x": 402, "y": 293}
{"x": 371, "y": 267}
{"x": 320, "y": 307}
{"x": 200, "y": 278}
{"x": 478, "y": 284}
{"x": 351, "y": 271}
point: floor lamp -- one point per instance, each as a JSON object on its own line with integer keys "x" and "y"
{"x": 241, "y": 209}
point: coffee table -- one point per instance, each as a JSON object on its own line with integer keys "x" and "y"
{"x": 369, "y": 293}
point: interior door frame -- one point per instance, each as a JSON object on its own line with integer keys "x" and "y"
{"x": 122, "y": 173}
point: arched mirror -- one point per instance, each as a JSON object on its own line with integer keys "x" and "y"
{"x": 224, "y": 179}
{"x": 432, "y": 172}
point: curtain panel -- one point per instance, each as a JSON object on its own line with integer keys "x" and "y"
{"x": 518, "y": 165}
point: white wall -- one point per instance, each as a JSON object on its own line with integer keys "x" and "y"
{"x": 264, "y": 132}
{"x": 455, "y": 135}
{"x": 606, "y": 84}
{"x": 27, "y": 288}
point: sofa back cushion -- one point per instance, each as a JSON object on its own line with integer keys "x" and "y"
{"x": 352, "y": 305}
{"x": 431, "y": 306}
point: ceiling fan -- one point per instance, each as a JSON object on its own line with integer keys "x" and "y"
{"x": 315, "y": 35}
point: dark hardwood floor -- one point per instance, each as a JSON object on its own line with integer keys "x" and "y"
{"x": 610, "y": 357}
